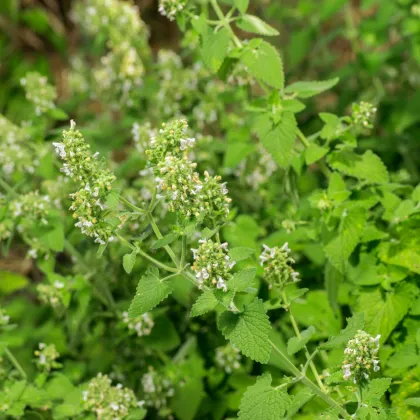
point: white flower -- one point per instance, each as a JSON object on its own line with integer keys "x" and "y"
{"x": 221, "y": 284}
{"x": 60, "y": 149}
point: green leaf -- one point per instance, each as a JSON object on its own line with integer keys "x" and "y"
{"x": 112, "y": 199}
{"x": 375, "y": 389}
{"x": 351, "y": 227}
{"x": 58, "y": 114}
{"x": 54, "y": 239}
{"x": 206, "y": 302}
{"x": 164, "y": 336}
{"x": 242, "y": 280}
{"x": 314, "y": 152}
{"x": 215, "y": 48}
{"x": 279, "y": 139}
{"x": 317, "y": 312}
{"x": 241, "y": 253}
{"x": 241, "y": 5}
{"x": 11, "y": 282}
{"x": 101, "y": 250}
{"x": 264, "y": 63}
{"x": 333, "y": 279}
{"x": 337, "y": 188}
{"x": 151, "y": 290}
{"x": 383, "y": 312}
{"x": 128, "y": 262}
{"x": 263, "y": 402}
{"x": 308, "y": 89}
{"x": 355, "y": 323}
{"x": 166, "y": 240}
{"x": 295, "y": 344}
{"x": 248, "y": 330}
{"x": 367, "y": 167}
{"x": 414, "y": 402}
{"x": 253, "y": 24}
{"x": 187, "y": 399}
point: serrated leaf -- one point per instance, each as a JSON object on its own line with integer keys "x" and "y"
{"x": 263, "y": 402}
{"x": 314, "y": 152}
{"x": 384, "y": 312}
{"x": 341, "y": 247}
{"x": 166, "y": 240}
{"x": 278, "y": 139}
{"x": 264, "y": 63}
{"x": 241, "y": 5}
{"x": 308, "y": 89}
{"x": 151, "y": 290}
{"x": 248, "y": 330}
{"x": 295, "y": 344}
{"x": 367, "y": 167}
{"x": 376, "y": 388}
{"x": 253, "y": 24}
{"x": 355, "y": 323}
{"x": 337, "y": 188}
{"x": 241, "y": 253}
{"x": 214, "y": 49}
{"x": 206, "y": 302}
{"x": 242, "y": 280}
{"x": 128, "y": 262}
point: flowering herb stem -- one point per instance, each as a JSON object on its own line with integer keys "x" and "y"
{"x": 147, "y": 256}
{"x": 15, "y": 363}
{"x": 297, "y": 332}
{"x": 306, "y": 381}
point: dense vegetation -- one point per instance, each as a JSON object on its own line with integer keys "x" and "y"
{"x": 210, "y": 209}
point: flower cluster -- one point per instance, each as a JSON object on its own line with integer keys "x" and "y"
{"x": 212, "y": 264}
{"x": 257, "y": 169}
{"x": 55, "y": 294}
{"x": 361, "y": 356}
{"x": 39, "y": 92}
{"x": 4, "y": 318}
{"x": 178, "y": 182}
{"x": 16, "y": 154}
{"x": 277, "y": 266}
{"x": 142, "y": 133}
{"x": 172, "y": 140}
{"x": 32, "y": 206}
{"x": 213, "y": 197}
{"x": 171, "y": 8}
{"x": 108, "y": 402}
{"x": 117, "y": 20}
{"x": 46, "y": 357}
{"x": 178, "y": 85}
{"x": 363, "y": 114}
{"x": 141, "y": 324}
{"x": 228, "y": 358}
{"x": 88, "y": 203}
{"x": 180, "y": 185}
{"x": 118, "y": 76}
{"x": 157, "y": 390}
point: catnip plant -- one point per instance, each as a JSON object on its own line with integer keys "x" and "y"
{"x": 210, "y": 239}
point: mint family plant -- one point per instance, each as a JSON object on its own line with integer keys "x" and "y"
{"x": 223, "y": 250}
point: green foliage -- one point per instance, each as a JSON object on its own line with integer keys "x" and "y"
{"x": 199, "y": 152}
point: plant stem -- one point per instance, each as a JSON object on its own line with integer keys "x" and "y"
{"x": 160, "y": 236}
{"x": 225, "y": 23}
{"x": 308, "y": 382}
{"x": 15, "y": 363}
{"x": 147, "y": 256}
{"x": 297, "y": 332}
{"x": 131, "y": 205}
{"x": 302, "y": 138}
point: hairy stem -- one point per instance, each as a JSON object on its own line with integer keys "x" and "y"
{"x": 297, "y": 332}
{"x": 315, "y": 389}
{"x": 147, "y": 256}
{"x": 15, "y": 363}
{"x": 225, "y": 23}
